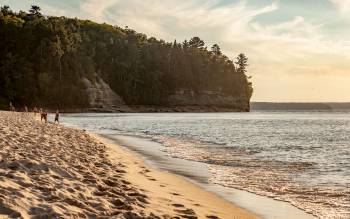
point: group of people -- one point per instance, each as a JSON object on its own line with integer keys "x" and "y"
{"x": 43, "y": 114}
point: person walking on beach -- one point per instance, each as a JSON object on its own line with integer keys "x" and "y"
{"x": 12, "y": 108}
{"x": 43, "y": 116}
{"x": 57, "y": 116}
{"x": 35, "y": 110}
{"x": 26, "y": 110}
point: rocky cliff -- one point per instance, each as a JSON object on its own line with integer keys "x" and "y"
{"x": 101, "y": 97}
{"x": 210, "y": 99}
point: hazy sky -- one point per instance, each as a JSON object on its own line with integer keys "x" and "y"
{"x": 299, "y": 50}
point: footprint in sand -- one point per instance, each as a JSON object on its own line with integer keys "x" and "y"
{"x": 212, "y": 217}
{"x": 187, "y": 213}
{"x": 43, "y": 211}
{"x": 6, "y": 210}
{"x": 109, "y": 182}
{"x": 176, "y": 194}
{"x": 178, "y": 205}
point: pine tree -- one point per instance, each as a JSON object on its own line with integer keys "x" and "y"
{"x": 216, "y": 50}
{"x": 242, "y": 62}
{"x": 35, "y": 10}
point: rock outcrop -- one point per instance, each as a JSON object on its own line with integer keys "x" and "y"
{"x": 209, "y": 98}
{"x": 101, "y": 97}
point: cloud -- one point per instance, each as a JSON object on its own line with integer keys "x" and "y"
{"x": 96, "y": 9}
{"x": 166, "y": 19}
{"x": 343, "y": 6}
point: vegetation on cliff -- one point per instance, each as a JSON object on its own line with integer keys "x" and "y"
{"x": 44, "y": 58}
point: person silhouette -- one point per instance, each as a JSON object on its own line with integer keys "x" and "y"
{"x": 12, "y": 108}
{"x": 57, "y": 116}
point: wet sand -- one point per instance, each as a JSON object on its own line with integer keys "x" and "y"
{"x": 49, "y": 171}
{"x": 198, "y": 173}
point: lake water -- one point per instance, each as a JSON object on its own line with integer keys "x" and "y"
{"x": 299, "y": 157}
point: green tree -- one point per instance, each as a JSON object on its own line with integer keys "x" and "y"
{"x": 216, "y": 50}
{"x": 242, "y": 62}
{"x": 5, "y": 10}
{"x": 196, "y": 42}
{"x": 35, "y": 10}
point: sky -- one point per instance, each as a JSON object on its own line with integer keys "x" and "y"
{"x": 298, "y": 50}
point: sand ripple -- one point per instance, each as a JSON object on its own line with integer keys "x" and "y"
{"x": 49, "y": 171}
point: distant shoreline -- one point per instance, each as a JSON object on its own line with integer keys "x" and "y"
{"x": 145, "y": 109}
{"x": 328, "y": 106}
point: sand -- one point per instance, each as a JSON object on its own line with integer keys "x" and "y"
{"x": 51, "y": 171}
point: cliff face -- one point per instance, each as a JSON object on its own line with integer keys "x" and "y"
{"x": 101, "y": 97}
{"x": 209, "y": 98}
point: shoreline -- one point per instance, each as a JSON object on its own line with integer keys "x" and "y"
{"x": 153, "y": 151}
{"x": 171, "y": 185}
{"x": 198, "y": 174}
{"x": 148, "y": 109}
{"x": 49, "y": 170}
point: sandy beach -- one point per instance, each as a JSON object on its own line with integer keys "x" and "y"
{"x": 51, "y": 171}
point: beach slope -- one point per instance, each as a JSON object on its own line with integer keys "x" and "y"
{"x": 49, "y": 171}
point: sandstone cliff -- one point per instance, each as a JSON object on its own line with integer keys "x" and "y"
{"x": 209, "y": 98}
{"x": 101, "y": 97}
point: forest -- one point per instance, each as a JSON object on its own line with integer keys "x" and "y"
{"x": 44, "y": 58}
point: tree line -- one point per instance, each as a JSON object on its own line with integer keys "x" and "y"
{"x": 44, "y": 58}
